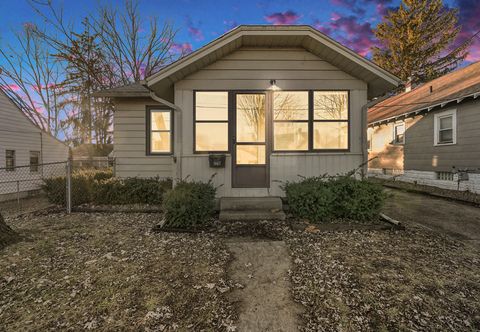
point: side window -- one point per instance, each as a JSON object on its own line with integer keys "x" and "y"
{"x": 10, "y": 160}
{"x": 34, "y": 161}
{"x": 445, "y": 128}
{"x": 211, "y": 121}
{"x": 399, "y": 133}
{"x": 160, "y": 131}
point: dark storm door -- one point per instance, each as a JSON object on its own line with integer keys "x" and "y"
{"x": 250, "y": 168}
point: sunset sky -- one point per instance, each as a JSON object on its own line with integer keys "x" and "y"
{"x": 348, "y": 21}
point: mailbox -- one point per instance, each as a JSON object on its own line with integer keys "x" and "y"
{"x": 216, "y": 160}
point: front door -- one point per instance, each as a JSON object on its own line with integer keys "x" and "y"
{"x": 250, "y": 149}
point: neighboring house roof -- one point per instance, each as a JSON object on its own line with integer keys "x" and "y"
{"x": 92, "y": 150}
{"x": 19, "y": 108}
{"x": 453, "y": 87}
{"x": 130, "y": 90}
{"x": 379, "y": 80}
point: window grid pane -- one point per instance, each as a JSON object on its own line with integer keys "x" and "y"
{"x": 211, "y": 121}
{"x": 330, "y": 105}
{"x": 160, "y": 131}
{"x": 328, "y": 135}
{"x": 290, "y": 105}
{"x": 290, "y": 136}
{"x": 10, "y": 160}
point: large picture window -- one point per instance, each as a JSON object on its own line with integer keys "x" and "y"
{"x": 290, "y": 120}
{"x": 211, "y": 121}
{"x": 330, "y": 120}
{"x": 160, "y": 131}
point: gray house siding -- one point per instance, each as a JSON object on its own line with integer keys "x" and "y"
{"x": 421, "y": 153}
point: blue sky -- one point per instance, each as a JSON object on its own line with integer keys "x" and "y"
{"x": 349, "y": 21}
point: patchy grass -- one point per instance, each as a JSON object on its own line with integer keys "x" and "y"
{"x": 109, "y": 272}
{"x": 385, "y": 281}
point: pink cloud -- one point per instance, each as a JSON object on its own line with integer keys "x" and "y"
{"x": 468, "y": 19}
{"x": 350, "y": 32}
{"x": 182, "y": 48}
{"x": 195, "y": 33}
{"x": 288, "y": 17}
{"x": 12, "y": 87}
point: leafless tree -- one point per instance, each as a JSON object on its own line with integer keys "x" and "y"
{"x": 31, "y": 77}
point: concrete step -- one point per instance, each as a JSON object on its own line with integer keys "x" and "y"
{"x": 251, "y": 215}
{"x": 250, "y": 203}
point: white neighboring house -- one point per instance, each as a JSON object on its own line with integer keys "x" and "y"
{"x": 22, "y": 143}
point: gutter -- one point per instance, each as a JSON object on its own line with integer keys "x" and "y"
{"x": 177, "y": 157}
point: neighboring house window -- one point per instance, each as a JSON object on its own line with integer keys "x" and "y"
{"x": 160, "y": 131}
{"x": 399, "y": 133}
{"x": 34, "y": 161}
{"x": 211, "y": 121}
{"x": 10, "y": 160}
{"x": 330, "y": 120}
{"x": 290, "y": 121}
{"x": 445, "y": 176}
{"x": 445, "y": 127}
{"x": 369, "y": 139}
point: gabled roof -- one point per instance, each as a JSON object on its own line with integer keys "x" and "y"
{"x": 453, "y": 87}
{"x": 379, "y": 80}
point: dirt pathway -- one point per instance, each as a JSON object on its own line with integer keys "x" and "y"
{"x": 265, "y": 301}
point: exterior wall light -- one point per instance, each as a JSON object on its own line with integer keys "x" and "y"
{"x": 273, "y": 86}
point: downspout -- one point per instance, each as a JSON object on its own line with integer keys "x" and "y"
{"x": 364, "y": 141}
{"x": 177, "y": 136}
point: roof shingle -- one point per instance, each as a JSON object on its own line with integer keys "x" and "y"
{"x": 455, "y": 85}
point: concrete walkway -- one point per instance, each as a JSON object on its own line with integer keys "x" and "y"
{"x": 265, "y": 301}
{"x": 458, "y": 220}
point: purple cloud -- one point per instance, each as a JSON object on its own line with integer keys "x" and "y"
{"x": 288, "y": 17}
{"x": 468, "y": 18}
{"x": 350, "y": 32}
{"x": 181, "y": 48}
{"x": 193, "y": 30}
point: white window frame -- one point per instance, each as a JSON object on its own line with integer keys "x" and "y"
{"x": 436, "y": 127}
{"x": 394, "y": 133}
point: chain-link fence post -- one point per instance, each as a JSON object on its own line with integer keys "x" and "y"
{"x": 68, "y": 192}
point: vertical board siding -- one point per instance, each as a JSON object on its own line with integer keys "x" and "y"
{"x": 131, "y": 159}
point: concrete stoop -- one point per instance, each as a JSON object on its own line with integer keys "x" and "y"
{"x": 251, "y": 208}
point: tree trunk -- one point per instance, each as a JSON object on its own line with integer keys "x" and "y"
{"x": 7, "y": 235}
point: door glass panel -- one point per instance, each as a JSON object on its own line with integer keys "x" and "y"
{"x": 250, "y": 154}
{"x": 250, "y": 118}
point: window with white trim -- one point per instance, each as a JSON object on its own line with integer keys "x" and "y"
{"x": 399, "y": 133}
{"x": 445, "y": 128}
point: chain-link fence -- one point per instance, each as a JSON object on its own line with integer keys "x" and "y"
{"x": 23, "y": 185}
{"x": 63, "y": 183}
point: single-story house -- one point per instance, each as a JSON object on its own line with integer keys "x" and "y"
{"x": 23, "y": 147}
{"x": 431, "y": 134}
{"x": 258, "y": 105}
